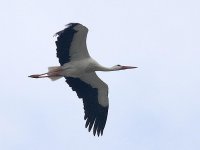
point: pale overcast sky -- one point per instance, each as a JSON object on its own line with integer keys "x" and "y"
{"x": 154, "y": 107}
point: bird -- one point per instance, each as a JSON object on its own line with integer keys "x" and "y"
{"x": 79, "y": 70}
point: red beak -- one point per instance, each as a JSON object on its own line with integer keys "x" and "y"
{"x": 128, "y": 67}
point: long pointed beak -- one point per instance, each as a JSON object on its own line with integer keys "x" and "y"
{"x": 128, "y": 67}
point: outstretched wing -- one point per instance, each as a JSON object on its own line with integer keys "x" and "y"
{"x": 94, "y": 93}
{"x": 71, "y": 43}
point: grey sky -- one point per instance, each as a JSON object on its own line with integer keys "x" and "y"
{"x": 154, "y": 107}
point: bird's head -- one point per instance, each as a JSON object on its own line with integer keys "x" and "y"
{"x": 120, "y": 67}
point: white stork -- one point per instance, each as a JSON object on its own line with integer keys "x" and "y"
{"x": 78, "y": 68}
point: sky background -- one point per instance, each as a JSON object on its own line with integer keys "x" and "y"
{"x": 154, "y": 107}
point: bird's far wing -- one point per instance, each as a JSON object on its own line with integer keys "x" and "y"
{"x": 71, "y": 43}
{"x": 94, "y": 93}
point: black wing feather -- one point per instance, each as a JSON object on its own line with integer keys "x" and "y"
{"x": 63, "y": 43}
{"x": 95, "y": 114}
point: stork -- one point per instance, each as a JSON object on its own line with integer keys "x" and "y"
{"x": 78, "y": 68}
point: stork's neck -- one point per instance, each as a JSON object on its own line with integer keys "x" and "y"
{"x": 97, "y": 67}
{"x": 102, "y": 68}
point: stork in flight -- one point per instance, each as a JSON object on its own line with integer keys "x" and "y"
{"x": 78, "y": 68}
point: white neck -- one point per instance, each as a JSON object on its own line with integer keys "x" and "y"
{"x": 102, "y": 68}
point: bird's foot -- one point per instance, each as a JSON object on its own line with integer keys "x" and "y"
{"x": 35, "y": 76}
